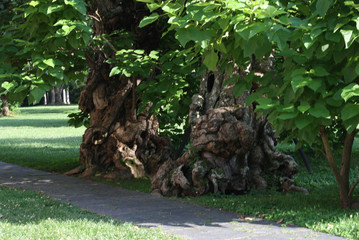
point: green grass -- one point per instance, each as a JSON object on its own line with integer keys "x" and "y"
{"x": 39, "y": 137}
{"x": 29, "y": 215}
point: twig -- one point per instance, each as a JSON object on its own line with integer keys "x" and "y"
{"x": 350, "y": 194}
{"x": 108, "y": 43}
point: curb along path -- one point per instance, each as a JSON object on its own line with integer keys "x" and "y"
{"x": 174, "y": 217}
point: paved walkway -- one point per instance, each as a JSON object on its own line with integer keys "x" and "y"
{"x": 174, "y": 217}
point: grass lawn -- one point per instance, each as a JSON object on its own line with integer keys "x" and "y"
{"x": 39, "y": 137}
{"x": 30, "y": 215}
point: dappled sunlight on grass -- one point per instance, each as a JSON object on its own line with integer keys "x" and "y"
{"x": 39, "y": 137}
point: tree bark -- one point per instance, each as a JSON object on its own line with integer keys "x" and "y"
{"x": 118, "y": 138}
{"x": 45, "y": 98}
{"x": 232, "y": 150}
{"x": 342, "y": 174}
{"x": 5, "y": 106}
{"x": 52, "y": 96}
{"x": 58, "y": 95}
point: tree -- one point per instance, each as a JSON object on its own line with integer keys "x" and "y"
{"x": 4, "y": 106}
{"x": 41, "y": 46}
{"x": 120, "y": 137}
{"x": 314, "y": 50}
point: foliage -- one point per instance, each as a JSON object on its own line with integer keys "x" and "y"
{"x": 41, "y": 45}
{"x": 315, "y": 45}
{"x": 303, "y": 54}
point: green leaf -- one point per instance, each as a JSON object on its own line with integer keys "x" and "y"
{"x": 148, "y": 20}
{"x": 9, "y": 85}
{"x": 349, "y": 111}
{"x": 352, "y": 90}
{"x": 286, "y": 116}
{"x": 36, "y": 94}
{"x": 230, "y": 80}
{"x": 146, "y": 1}
{"x": 203, "y": 38}
{"x": 79, "y": 5}
{"x": 319, "y": 111}
{"x": 315, "y": 84}
{"x": 323, "y": 6}
{"x": 154, "y": 55}
{"x": 239, "y": 88}
{"x": 115, "y": 71}
{"x": 210, "y": 60}
{"x": 264, "y": 103}
{"x": 349, "y": 37}
{"x": 50, "y": 62}
{"x": 34, "y": 3}
{"x": 302, "y": 121}
{"x": 304, "y": 106}
{"x": 54, "y": 8}
{"x": 320, "y": 71}
{"x": 300, "y": 81}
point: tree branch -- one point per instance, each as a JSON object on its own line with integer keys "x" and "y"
{"x": 108, "y": 43}
{"x": 329, "y": 154}
{"x": 351, "y": 191}
{"x": 346, "y": 156}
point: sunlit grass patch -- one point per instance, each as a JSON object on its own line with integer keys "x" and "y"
{"x": 39, "y": 137}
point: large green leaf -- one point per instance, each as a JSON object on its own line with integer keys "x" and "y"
{"x": 210, "y": 60}
{"x": 350, "y": 91}
{"x": 50, "y": 62}
{"x": 304, "y": 106}
{"x": 36, "y": 94}
{"x": 350, "y": 110}
{"x": 79, "y": 5}
{"x": 349, "y": 36}
{"x": 303, "y": 121}
{"x": 148, "y": 20}
{"x": 287, "y": 116}
{"x": 319, "y": 111}
{"x": 323, "y": 6}
{"x": 300, "y": 81}
{"x": 203, "y": 38}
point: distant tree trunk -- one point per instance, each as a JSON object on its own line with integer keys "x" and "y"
{"x": 58, "y": 95}
{"x": 67, "y": 96}
{"x": 45, "y": 98}
{"x": 5, "y": 106}
{"x": 53, "y": 96}
{"x": 118, "y": 138}
{"x": 232, "y": 150}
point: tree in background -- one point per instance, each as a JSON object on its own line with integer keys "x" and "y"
{"x": 41, "y": 46}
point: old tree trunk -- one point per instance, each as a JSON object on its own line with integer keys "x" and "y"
{"x": 231, "y": 151}
{"x": 118, "y": 139}
{"x": 5, "y": 111}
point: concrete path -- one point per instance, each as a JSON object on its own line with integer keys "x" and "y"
{"x": 174, "y": 217}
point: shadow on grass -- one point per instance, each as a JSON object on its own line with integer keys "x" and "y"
{"x": 40, "y": 123}
{"x": 49, "y": 109}
{"x": 47, "y": 154}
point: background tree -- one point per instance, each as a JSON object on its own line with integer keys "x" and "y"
{"x": 41, "y": 46}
